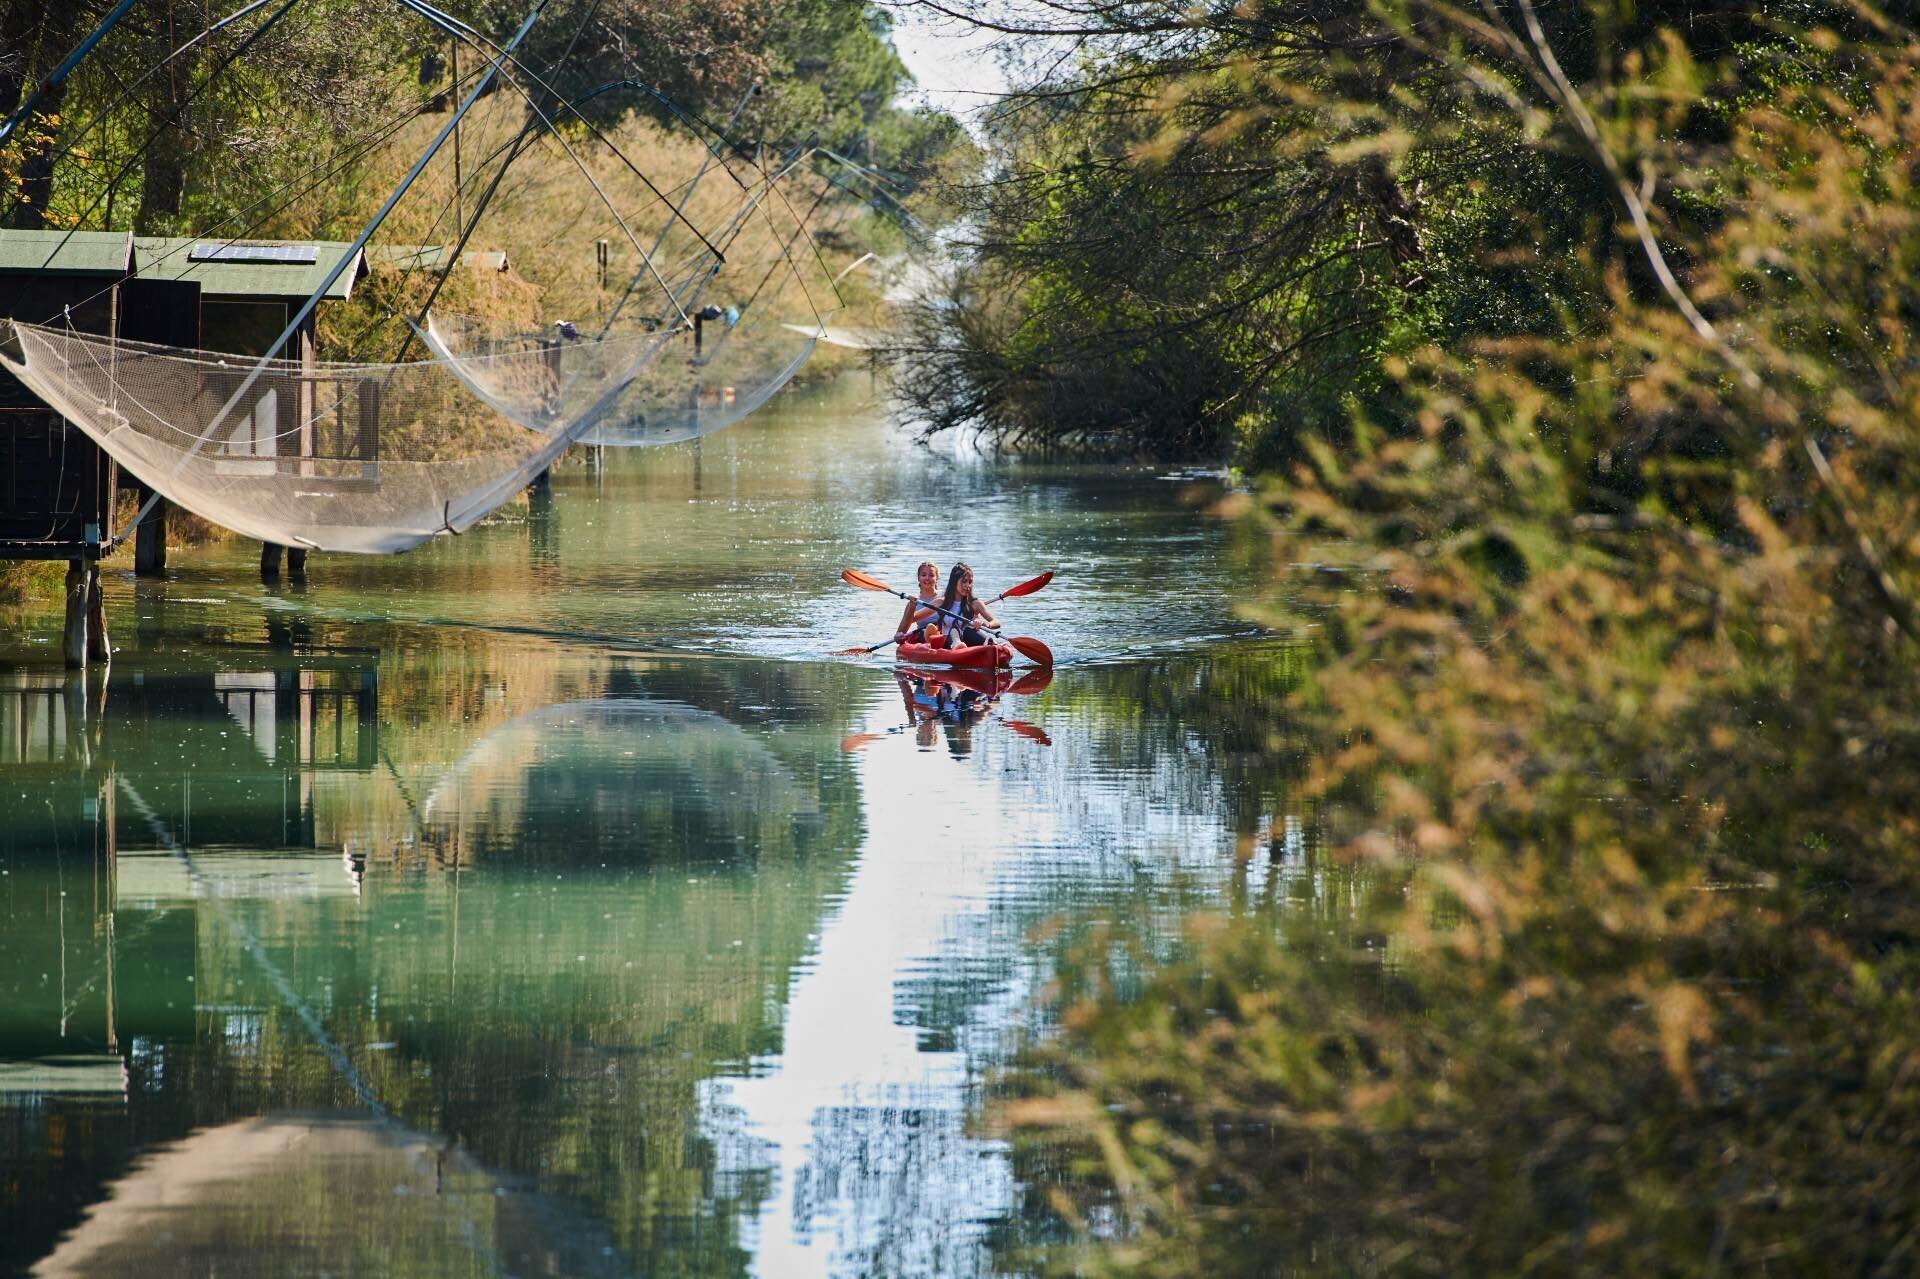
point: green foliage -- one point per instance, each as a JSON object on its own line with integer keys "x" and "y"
{"x": 289, "y": 133}
{"x": 22, "y": 580}
{"x": 1624, "y": 714}
{"x": 1230, "y": 229}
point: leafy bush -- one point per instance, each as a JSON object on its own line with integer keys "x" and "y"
{"x": 1627, "y": 718}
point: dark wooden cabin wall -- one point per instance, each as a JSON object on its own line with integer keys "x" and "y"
{"x": 57, "y": 481}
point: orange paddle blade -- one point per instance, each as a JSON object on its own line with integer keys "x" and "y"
{"x": 854, "y": 741}
{"x": 1031, "y": 649}
{"x": 1027, "y": 587}
{"x": 865, "y": 581}
{"x": 1032, "y": 681}
{"x": 1032, "y": 732}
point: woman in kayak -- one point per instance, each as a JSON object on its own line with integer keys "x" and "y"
{"x": 964, "y": 615}
{"x": 929, "y": 583}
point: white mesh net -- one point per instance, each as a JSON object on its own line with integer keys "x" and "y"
{"x": 373, "y": 458}
{"x": 551, "y": 383}
{"x": 734, "y": 333}
{"x": 681, "y": 395}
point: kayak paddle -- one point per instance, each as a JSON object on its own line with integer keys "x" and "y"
{"x": 1031, "y": 682}
{"x": 1025, "y": 645}
{"x": 1032, "y": 732}
{"x": 857, "y": 651}
{"x": 1027, "y": 587}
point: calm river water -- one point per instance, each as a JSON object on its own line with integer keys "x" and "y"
{"x": 548, "y": 901}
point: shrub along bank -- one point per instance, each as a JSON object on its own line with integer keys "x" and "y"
{"x": 1619, "y": 712}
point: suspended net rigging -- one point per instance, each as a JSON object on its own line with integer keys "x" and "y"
{"x": 337, "y": 457}
{"x": 753, "y": 324}
{"x": 377, "y": 457}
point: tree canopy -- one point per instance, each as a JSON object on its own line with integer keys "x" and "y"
{"x": 170, "y": 125}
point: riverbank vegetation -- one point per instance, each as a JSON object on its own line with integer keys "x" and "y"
{"x": 170, "y": 127}
{"x": 295, "y": 121}
{"x": 1616, "y": 695}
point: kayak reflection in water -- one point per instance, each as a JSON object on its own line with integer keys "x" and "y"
{"x": 950, "y": 697}
{"x": 956, "y": 700}
{"x": 953, "y": 704}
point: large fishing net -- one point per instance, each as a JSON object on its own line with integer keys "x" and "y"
{"x": 739, "y": 329}
{"x": 339, "y": 457}
{"x": 646, "y": 302}
{"x": 694, "y": 388}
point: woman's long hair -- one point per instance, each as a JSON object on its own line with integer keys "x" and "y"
{"x": 953, "y": 591}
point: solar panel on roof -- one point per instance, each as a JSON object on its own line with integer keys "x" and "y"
{"x": 241, "y": 251}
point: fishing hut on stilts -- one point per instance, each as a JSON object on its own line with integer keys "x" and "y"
{"x": 235, "y": 297}
{"x": 187, "y": 370}
{"x": 58, "y": 488}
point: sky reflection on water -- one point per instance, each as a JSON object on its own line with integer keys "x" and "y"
{"x": 478, "y": 948}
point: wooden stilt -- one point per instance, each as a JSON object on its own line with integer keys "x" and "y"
{"x": 150, "y": 540}
{"x": 97, "y": 710}
{"x": 297, "y": 563}
{"x": 542, "y": 483}
{"x": 99, "y": 647}
{"x": 73, "y": 639}
{"x": 79, "y": 741}
{"x": 270, "y": 561}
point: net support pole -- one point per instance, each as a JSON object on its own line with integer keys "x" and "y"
{"x": 695, "y": 282}
{"x": 354, "y": 249}
{"x": 705, "y": 163}
{"x": 65, "y": 68}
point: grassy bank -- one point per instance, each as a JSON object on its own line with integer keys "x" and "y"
{"x": 25, "y": 580}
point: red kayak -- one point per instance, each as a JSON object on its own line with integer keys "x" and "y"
{"x": 983, "y": 655}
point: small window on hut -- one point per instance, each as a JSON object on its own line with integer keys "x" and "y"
{"x": 241, "y": 328}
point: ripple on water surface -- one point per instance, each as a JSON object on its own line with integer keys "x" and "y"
{"x": 735, "y": 544}
{"x": 603, "y": 958}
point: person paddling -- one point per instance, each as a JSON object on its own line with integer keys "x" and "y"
{"x": 963, "y": 615}
{"x": 928, "y": 578}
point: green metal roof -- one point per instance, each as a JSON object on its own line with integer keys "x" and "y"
{"x": 78, "y": 253}
{"x": 247, "y": 268}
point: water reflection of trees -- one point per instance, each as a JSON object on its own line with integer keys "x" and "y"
{"x": 494, "y": 984}
{"x": 369, "y": 1197}
{"x": 490, "y": 983}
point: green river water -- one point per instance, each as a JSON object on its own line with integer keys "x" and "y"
{"x": 547, "y": 901}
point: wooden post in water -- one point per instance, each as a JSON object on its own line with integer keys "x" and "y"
{"x": 73, "y": 637}
{"x": 297, "y": 563}
{"x": 270, "y": 561}
{"x": 97, "y": 714}
{"x": 150, "y": 538}
{"x": 550, "y": 347}
{"x": 99, "y": 647}
{"x": 73, "y": 695}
